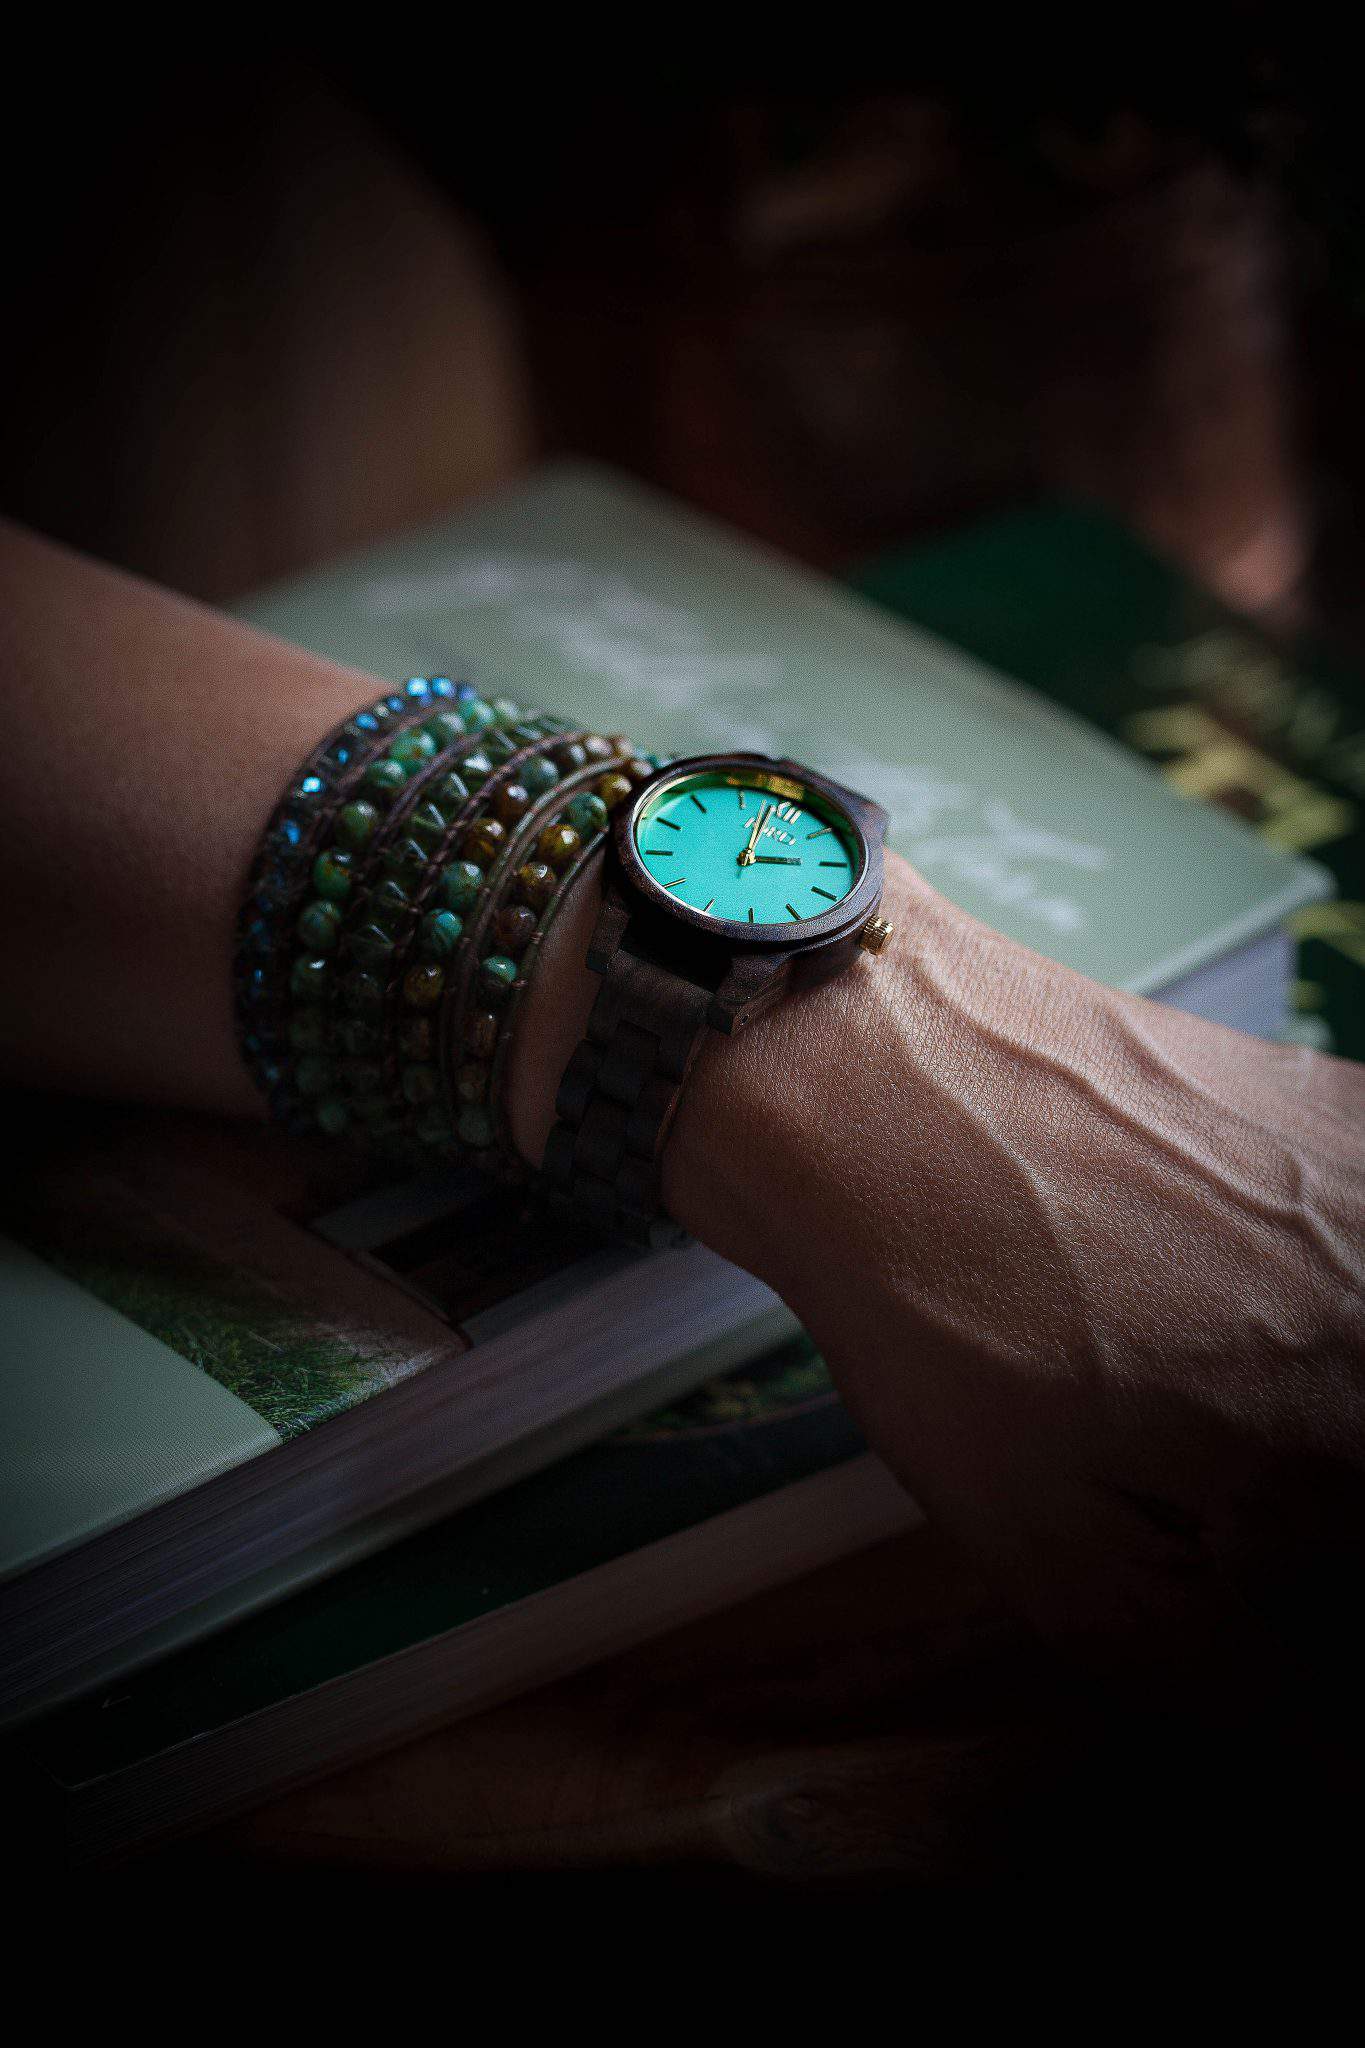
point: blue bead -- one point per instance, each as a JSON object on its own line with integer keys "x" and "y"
{"x": 393, "y": 705}
{"x": 258, "y": 936}
{"x": 367, "y": 721}
{"x": 312, "y": 785}
{"x": 289, "y": 831}
{"x": 441, "y": 686}
{"x": 418, "y": 687}
{"x": 464, "y": 691}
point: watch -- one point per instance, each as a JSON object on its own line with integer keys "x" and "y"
{"x": 732, "y": 880}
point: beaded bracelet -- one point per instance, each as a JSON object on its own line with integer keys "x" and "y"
{"x": 280, "y": 875}
{"x": 517, "y": 892}
{"x": 411, "y": 758}
{"x": 399, "y": 850}
{"x": 398, "y": 923}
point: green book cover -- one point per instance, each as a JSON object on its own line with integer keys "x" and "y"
{"x": 586, "y": 593}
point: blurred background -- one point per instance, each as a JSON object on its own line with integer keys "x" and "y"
{"x": 260, "y": 312}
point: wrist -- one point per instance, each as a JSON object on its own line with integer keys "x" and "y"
{"x": 772, "y": 1122}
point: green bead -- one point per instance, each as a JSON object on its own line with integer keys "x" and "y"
{"x": 384, "y": 779}
{"x": 314, "y": 1075}
{"x": 371, "y": 946}
{"x": 539, "y": 774}
{"x": 308, "y": 979}
{"x": 450, "y": 792}
{"x": 476, "y": 769}
{"x": 505, "y": 711}
{"x": 405, "y": 861}
{"x": 356, "y": 826}
{"x": 420, "y": 1085}
{"x": 412, "y": 749}
{"x": 446, "y": 729}
{"x": 460, "y": 884}
{"x": 318, "y": 925}
{"x": 477, "y": 715}
{"x": 474, "y": 1126}
{"x": 496, "y": 975}
{"x": 333, "y": 1115}
{"x": 499, "y": 745}
{"x": 587, "y": 814}
{"x": 308, "y": 1030}
{"x": 388, "y": 903}
{"x": 428, "y": 824}
{"x": 439, "y": 934}
{"x": 332, "y": 875}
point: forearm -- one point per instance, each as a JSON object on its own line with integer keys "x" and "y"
{"x": 1088, "y": 1271}
{"x": 146, "y": 740}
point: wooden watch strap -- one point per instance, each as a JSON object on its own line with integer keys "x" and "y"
{"x": 617, "y": 1099}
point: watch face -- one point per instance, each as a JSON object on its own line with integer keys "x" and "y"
{"x": 743, "y": 845}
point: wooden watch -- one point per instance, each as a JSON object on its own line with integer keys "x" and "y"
{"x": 732, "y": 880}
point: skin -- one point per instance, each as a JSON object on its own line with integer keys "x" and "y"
{"x": 1088, "y": 1271}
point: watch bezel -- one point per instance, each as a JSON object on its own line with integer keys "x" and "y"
{"x": 866, "y": 820}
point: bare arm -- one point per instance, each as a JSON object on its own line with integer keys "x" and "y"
{"x": 1089, "y": 1272}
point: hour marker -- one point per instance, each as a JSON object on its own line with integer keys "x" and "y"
{"x": 794, "y": 912}
{"x": 671, "y": 826}
{"x": 834, "y": 863}
{"x": 823, "y": 833}
{"x": 828, "y": 894}
{"x": 676, "y": 883}
{"x": 655, "y": 852}
{"x": 700, "y": 806}
{"x": 751, "y": 913}
{"x": 707, "y": 906}
{"x": 740, "y": 794}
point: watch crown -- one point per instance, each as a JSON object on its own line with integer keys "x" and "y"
{"x": 874, "y": 934}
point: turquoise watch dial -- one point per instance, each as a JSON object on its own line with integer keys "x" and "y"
{"x": 749, "y": 847}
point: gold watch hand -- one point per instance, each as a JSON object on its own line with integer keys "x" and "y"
{"x": 748, "y": 856}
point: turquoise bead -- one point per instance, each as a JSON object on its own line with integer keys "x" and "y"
{"x": 496, "y": 975}
{"x": 477, "y": 715}
{"x": 476, "y": 769}
{"x": 420, "y": 1085}
{"x": 332, "y": 875}
{"x": 356, "y": 826}
{"x": 505, "y": 711}
{"x": 440, "y": 934}
{"x": 308, "y": 1030}
{"x": 474, "y": 1126}
{"x": 333, "y": 1115}
{"x": 314, "y": 1075}
{"x": 384, "y": 779}
{"x": 461, "y": 884}
{"x": 412, "y": 749}
{"x": 308, "y": 979}
{"x": 318, "y": 925}
{"x": 587, "y": 814}
{"x": 539, "y": 774}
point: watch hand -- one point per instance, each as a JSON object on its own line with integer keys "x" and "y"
{"x": 747, "y": 858}
{"x": 777, "y": 860}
